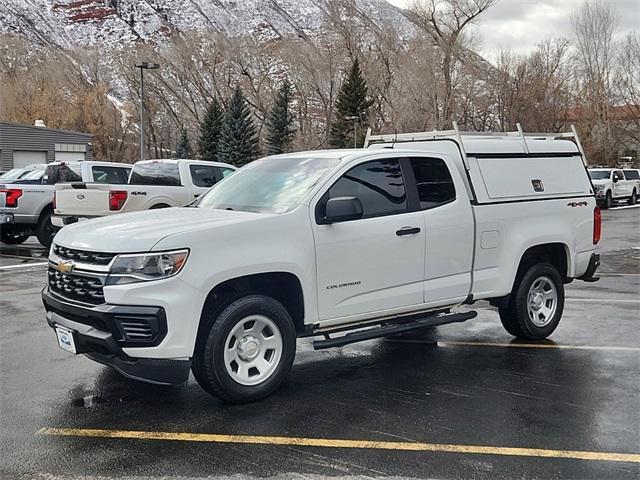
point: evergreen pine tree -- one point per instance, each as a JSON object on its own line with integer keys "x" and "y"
{"x": 280, "y": 127}
{"x": 210, "y": 132}
{"x": 352, "y": 102}
{"x": 238, "y": 138}
{"x": 183, "y": 149}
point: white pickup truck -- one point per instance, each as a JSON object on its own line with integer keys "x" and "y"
{"x": 611, "y": 186}
{"x": 152, "y": 184}
{"x": 349, "y": 245}
{"x": 29, "y": 200}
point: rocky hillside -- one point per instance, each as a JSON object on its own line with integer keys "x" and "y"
{"x": 118, "y": 23}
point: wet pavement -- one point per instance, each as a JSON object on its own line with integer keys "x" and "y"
{"x": 578, "y": 392}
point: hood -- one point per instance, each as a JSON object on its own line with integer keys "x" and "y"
{"x": 600, "y": 181}
{"x": 140, "y": 231}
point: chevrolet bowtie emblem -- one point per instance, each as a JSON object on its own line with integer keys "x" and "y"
{"x": 66, "y": 267}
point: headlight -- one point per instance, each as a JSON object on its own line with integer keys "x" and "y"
{"x": 146, "y": 266}
{"x": 598, "y": 187}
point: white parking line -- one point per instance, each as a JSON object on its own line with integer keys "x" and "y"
{"x": 24, "y": 265}
{"x": 618, "y": 274}
{"x": 625, "y": 206}
{"x": 603, "y": 300}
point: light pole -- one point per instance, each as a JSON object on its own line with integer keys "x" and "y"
{"x": 355, "y": 119}
{"x": 143, "y": 66}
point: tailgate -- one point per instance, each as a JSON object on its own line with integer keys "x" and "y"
{"x": 80, "y": 199}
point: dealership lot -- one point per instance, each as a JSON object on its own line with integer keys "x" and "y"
{"x": 478, "y": 404}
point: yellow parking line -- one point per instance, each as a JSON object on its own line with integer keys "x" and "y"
{"x": 537, "y": 345}
{"x": 337, "y": 443}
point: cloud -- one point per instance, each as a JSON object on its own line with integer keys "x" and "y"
{"x": 519, "y": 25}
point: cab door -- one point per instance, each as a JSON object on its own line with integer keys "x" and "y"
{"x": 374, "y": 263}
{"x": 449, "y": 228}
{"x": 621, "y": 186}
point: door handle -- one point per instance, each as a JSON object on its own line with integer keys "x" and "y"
{"x": 408, "y": 231}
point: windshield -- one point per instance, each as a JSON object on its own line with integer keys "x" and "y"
{"x": 599, "y": 174}
{"x": 33, "y": 175}
{"x": 11, "y": 174}
{"x": 272, "y": 185}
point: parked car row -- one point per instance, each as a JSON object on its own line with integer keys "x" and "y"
{"x": 152, "y": 184}
{"x": 615, "y": 184}
{"x": 40, "y": 200}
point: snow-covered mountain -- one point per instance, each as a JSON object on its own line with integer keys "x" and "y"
{"x": 75, "y": 23}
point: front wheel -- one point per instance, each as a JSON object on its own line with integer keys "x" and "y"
{"x": 608, "y": 201}
{"x": 13, "y": 234}
{"x": 633, "y": 198}
{"x": 536, "y": 303}
{"x": 246, "y": 351}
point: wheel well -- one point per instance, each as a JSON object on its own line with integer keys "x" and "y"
{"x": 553, "y": 253}
{"x": 159, "y": 205}
{"x": 44, "y": 211}
{"x": 282, "y": 286}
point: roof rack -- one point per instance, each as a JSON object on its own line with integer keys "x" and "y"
{"x": 458, "y": 134}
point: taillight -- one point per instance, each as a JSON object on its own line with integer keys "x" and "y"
{"x": 11, "y": 195}
{"x": 597, "y": 225}
{"x": 117, "y": 199}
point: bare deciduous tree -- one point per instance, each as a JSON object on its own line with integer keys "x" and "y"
{"x": 595, "y": 26}
{"x": 446, "y": 22}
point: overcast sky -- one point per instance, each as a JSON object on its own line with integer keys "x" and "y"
{"x": 521, "y": 24}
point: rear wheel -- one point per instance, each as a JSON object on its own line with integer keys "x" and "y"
{"x": 536, "y": 303}
{"x": 14, "y": 234}
{"x": 633, "y": 198}
{"x": 246, "y": 351}
{"x": 608, "y": 200}
{"x": 45, "y": 231}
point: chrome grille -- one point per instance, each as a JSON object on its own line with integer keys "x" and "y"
{"x": 80, "y": 288}
{"x": 82, "y": 256}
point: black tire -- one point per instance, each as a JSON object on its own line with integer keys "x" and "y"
{"x": 45, "y": 231}
{"x": 14, "y": 234}
{"x": 633, "y": 198}
{"x": 608, "y": 201}
{"x": 516, "y": 318}
{"x": 209, "y": 366}
{"x": 159, "y": 205}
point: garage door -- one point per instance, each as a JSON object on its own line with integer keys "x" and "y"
{"x": 22, "y": 158}
{"x": 70, "y": 156}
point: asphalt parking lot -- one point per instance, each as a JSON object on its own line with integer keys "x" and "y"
{"x": 475, "y": 405}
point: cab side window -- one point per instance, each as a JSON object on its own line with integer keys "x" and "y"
{"x": 203, "y": 175}
{"x": 378, "y": 184}
{"x": 104, "y": 174}
{"x": 434, "y": 182}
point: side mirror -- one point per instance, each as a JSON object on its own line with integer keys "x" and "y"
{"x": 342, "y": 209}
{"x": 615, "y": 179}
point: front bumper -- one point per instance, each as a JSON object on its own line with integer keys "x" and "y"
{"x": 102, "y": 331}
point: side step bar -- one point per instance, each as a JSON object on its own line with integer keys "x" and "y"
{"x": 391, "y": 329}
